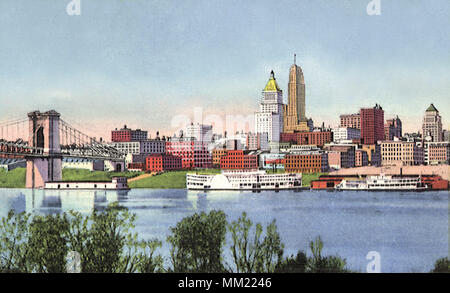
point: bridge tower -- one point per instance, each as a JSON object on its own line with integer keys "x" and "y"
{"x": 44, "y": 134}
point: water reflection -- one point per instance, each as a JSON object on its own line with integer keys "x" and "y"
{"x": 409, "y": 229}
{"x": 46, "y": 202}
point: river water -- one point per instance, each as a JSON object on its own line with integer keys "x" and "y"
{"x": 409, "y": 230}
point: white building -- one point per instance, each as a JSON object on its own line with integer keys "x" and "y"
{"x": 269, "y": 118}
{"x": 345, "y": 133}
{"x": 432, "y": 125}
{"x": 258, "y": 141}
{"x": 151, "y": 146}
{"x": 83, "y": 163}
{"x": 199, "y": 132}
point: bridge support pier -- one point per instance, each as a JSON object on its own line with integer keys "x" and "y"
{"x": 41, "y": 170}
{"x": 43, "y": 134}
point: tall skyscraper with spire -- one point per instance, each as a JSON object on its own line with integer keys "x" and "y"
{"x": 294, "y": 112}
{"x": 269, "y": 118}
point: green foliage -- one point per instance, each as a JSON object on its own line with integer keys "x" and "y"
{"x": 69, "y": 174}
{"x": 47, "y": 241}
{"x": 197, "y": 243}
{"x": 320, "y": 264}
{"x": 172, "y": 180}
{"x": 12, "y": 179}
{"x": 103, "y": 240}
{"x": 297, "y": 264}
{"x": 14, "y": 243}
{"x": 442, "y": 265}
{"x": 251, "y": 254}
{"x": 106, "y": 245}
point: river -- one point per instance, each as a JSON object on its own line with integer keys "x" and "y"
{"x": 409, "y": 230}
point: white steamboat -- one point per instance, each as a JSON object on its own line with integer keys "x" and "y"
{"x": 383, "y": 183}
{"x": 244, "y": 180}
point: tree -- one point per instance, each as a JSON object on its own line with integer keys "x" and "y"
{"x": 442, "y": 265}
{"x": 255, "y": 256}
{"x": 197, "y": 243}
{"x": 47, "y": 243}
{"x": 293, "y": 264}
{"x": 320, "y": 264}
{"x": 14, "y": 243}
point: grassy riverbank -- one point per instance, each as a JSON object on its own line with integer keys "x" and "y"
{"x": 86, "y": 175}
{"x": 12, "y": 179}
{"x": 173, "y": 179}
{"x": 308, "y": 177}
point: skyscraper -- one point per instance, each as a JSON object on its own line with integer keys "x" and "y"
{"x": 432, "y": 125}
{"x": 294, "y": 112}
{"x": 393, "y": 128}
{"x": 269, "y": 118}
{"x": 372, "y": 124}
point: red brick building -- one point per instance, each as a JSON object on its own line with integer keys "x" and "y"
{"x": 135, "y": 166}
{"x": 372, "y": 124}
{"x": 237, "y": 160}
{"x": 162, "y": 162}
{"x": 194, "y": 154}
{"x": 217, "y": 154}
{"x": 126, "y": 134}
{"x": 318, "y": 138}
{"x": 306, "y": 163}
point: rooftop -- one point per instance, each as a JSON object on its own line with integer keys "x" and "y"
{"x": 272, "y": 85}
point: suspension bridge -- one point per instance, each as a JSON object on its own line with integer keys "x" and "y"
{"x": 43, "y": 139}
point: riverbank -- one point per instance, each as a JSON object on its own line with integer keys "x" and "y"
{"x": 166, "y": 180}
{"x": 16, "y": 178}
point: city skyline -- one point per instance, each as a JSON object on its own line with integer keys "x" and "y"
{"x": 140, "y": 63}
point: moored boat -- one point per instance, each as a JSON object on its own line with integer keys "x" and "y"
{"x": 244, "y": 180}
{"x": 383, "y": 183}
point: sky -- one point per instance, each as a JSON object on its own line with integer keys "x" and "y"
{"x": 151, "y": 64}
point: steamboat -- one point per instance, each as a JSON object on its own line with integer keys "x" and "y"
{"x": 244, "y": 180}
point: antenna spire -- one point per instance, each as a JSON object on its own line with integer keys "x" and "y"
{"x": 295, "y": 55}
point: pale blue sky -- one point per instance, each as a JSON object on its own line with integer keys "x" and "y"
{"x": 141, "y": 62}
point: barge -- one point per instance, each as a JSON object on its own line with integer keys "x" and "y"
{"x": 117, "y": 183}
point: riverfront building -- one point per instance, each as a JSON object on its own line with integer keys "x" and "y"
{"x": 401, "y": 152}
{"x": 238, "y": 160}
{"x": 393, "y": 128}
{"x": 127, "y": 134}
{"x": 294, "y": 119}
{"x": 217, "y": 154}
{"x": 341, "y": 156}
{"x": 372, "y": 124}
{"x": 199, "y": 132}
{"x": 345, "y": 133}
{"x": 257, "y": 141}
{"x": 313, "y": 162}
{"x": 350, "y": 120}
{"x": 361, "y": 158}
{"x": 436, "y": 153}
{"x": 194, "y": 154}
{"x": 318, "y": 138}
{"x": 432, "y": 125}
{"x": 269, "y": 118}
{"x": 162, "y": 162}
{"x": 152, "y": 146}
